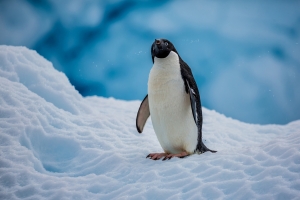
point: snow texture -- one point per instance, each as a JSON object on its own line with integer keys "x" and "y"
{"x": 55, "y": 144}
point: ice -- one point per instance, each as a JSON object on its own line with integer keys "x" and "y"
{"x": 56, "y": 144}
{"x": 238, "y": 50}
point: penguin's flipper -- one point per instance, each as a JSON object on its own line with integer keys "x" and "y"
{"x": 193, "y": 102}
{"x": 142, "y": 115}
{"x": 201, "y": 148}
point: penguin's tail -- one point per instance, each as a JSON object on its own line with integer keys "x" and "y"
{"x": 202, "y": 149}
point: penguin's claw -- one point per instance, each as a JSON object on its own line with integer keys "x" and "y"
{"x": 167, "y": 158}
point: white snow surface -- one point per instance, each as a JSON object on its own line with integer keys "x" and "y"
{"x": 56, "y": 144}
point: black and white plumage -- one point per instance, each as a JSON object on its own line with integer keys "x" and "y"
{"x": 174, "y": 103}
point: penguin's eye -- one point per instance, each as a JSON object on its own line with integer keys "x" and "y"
{"x": 166, "y": 43}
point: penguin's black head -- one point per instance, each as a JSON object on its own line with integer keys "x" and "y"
{"x": 161, "y": 48}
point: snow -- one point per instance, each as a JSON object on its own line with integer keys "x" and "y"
{"x": 56, "y": 144}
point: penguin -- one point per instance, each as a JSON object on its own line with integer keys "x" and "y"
{"x": 173, "y": 101}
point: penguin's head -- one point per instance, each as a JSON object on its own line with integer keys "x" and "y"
{"x": 161, "y": 48}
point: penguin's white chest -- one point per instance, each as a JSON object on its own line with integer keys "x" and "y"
{"x": 170, "y": 107}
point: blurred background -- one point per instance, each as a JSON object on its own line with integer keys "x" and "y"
{"x": 245, "y": 55}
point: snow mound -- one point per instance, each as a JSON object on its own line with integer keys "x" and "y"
{"x": 55, "y": 144}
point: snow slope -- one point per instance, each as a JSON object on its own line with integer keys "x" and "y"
{"x": 55, "y": 144}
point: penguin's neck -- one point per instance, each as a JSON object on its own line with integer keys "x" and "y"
{"x": 169, "y": 63}
{"x": 166, "y": 69}
{"x": 165, "y": 74}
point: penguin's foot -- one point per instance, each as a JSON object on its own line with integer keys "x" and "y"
{"x": 165, "y": 156}
{"x": 178, "y": 155}
{"x": 156, "y": 156}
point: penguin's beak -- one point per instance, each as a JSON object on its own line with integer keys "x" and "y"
{"x": 159, "y": 45}
{"x": 157, "y": 42}
{"x": 156, "y": 46}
